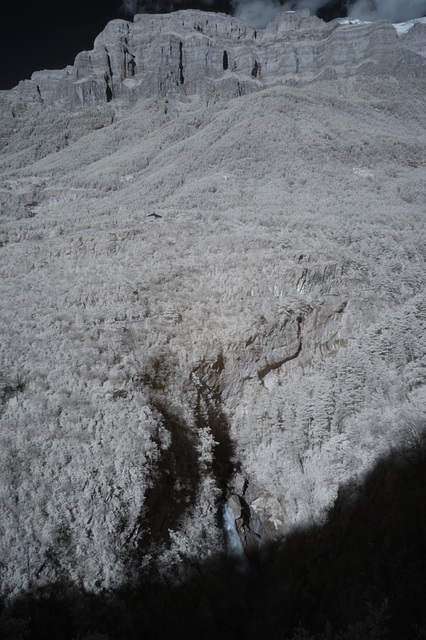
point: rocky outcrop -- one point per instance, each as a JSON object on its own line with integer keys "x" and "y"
{"x": 259, "y": 518}
{"x": 194, "y": 52}
{"x": 415, "y": 37}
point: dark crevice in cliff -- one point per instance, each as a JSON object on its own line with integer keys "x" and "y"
{"x": 108, "y": 91}
{"x": 109, "y": 63}
{"x": 248, "y": 526}
{"x": 181, "y": 78}
{"x": 108, "y": 78}
{"x": 225, "y": 61}
{"x": 256, "y": 70}
{"x": 131, "y": 65}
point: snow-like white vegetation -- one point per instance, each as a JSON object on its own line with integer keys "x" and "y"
{"x": 184, "y": 279}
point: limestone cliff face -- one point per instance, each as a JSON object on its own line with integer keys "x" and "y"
{"x": 195, "y": 52}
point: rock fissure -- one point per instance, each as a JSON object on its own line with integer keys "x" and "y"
{"x": 109, "y": 63}
{"x": 225, "y": 61}
{"x": 108, "y": 90}
{"x": 181, "y": 77}
{"x": 256, "y": 69}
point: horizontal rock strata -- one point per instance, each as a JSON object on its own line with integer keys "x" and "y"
{"x": 194, "y": 52}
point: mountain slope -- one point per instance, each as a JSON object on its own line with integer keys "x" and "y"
{"x": 203, "y": 300}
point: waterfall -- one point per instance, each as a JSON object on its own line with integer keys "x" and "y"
{"x": 234, "y": 547}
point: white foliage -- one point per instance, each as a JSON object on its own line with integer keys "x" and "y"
{"x": 317, "y": 229}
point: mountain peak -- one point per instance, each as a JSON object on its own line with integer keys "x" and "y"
{"x": 196, "y": 52}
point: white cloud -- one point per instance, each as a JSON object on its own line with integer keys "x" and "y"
{"x": 257, "y": 13}
{"x": 393, "y": 10}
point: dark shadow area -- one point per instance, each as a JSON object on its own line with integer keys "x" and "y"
{"x": 177, "y": 474}
{"x": 9, "y": 390}
{"x": 209, "y": 415}
{"x": 176, "y": 480}
{"x": 360, "y": 575}
{"x": 367, "y": 562}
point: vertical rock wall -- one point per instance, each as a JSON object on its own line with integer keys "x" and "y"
{"x": 195, "y": 52}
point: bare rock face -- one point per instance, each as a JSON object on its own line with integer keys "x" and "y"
{"x": 259, "y": 519}
{"x": 194, "y": 52}
{"x": 415, "y": 38}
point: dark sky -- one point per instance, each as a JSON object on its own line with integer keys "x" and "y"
{"x": 39, "y": 34}
{"x": 36, "y": 35}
